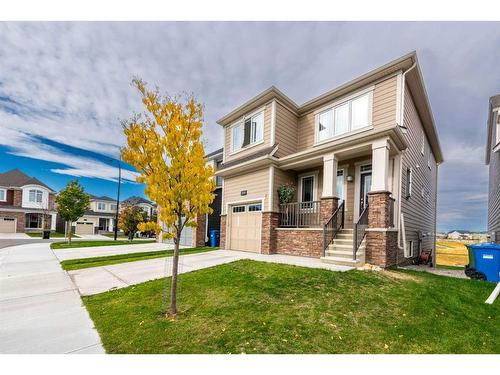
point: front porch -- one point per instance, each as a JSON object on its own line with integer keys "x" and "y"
{"x": 345, "y": 205}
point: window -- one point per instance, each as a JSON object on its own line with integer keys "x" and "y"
{"x": 255, "y": 207}
{"x": 34, "y": 221}
{"x": 3, "y": 195}
{"x": 408, "y": 182}
{"x": 422, "y": 147}
{"x": 498, "y": 128}
{"x": 307, "y": 189}
{"x": 237, "y": 209}
{"x": 35, "y": 196}
{"x": 409, "y": 251}
{"x": 249, "y": 132}
{"x": 429, "y": 160}
{"x": 340, "y": 185}
{"x": 112, "y": 207}
{"x": 349, "y": 116}
{"x": 101, "y": 206}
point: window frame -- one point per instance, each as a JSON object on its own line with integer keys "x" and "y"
{"x": 99, "y": 204}
{"x": 244, "y": 209}
{"x": 343, "y": 169}
{"x": 241, "y": 123}
{"x": 409, "y": 182}
{"x": 314, "y": 176}
{"x": 337, "y": 104}
{"x": 254, "y": 205}
{"x": 497, "y": 124}
{"x": 410, "y": 249}
{"x": 422, "y": 147}
{"x": 4, "y": 191}
{"x": 36, "y": 193}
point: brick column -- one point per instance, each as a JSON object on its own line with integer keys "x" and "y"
{"x": 199, "y": 231}
{"x": 223, "y": 219}
{"x": 268, "y": 236}
{"x": 18, "y": 199}
{"x": 328, "y": 207}
{"x": 381, "y": 241}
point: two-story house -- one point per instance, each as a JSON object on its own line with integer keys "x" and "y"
{"x": 493, "y": 161}
{"x": 361, "y": 161}
{"x": 26, "y": 203}
{"x": 100, "y": 217}
{"x": 146, "y": 205}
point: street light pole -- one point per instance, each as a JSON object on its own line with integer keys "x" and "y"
{"x": 118, "y": 196}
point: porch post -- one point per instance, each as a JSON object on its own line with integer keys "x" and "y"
{"x": 329, "y": 199}
{"x": 380, "y": 165}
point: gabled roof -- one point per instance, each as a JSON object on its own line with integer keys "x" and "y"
{"x": 17, "y": 178}
{"x": 414, "y": 80}
{"x": 215, "y": 153}
{"x": 136, "y": 200}
{"x": 494, "y": 103}
{"x": 101, "y": 198}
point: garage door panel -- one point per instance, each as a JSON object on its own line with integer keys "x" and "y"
{"x": 84, "y": 228}
{"x": 245, "y": 230}
{"x": 7, "y": 225}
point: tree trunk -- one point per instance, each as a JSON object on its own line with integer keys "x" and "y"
{"x": 175, "y": 267}
{"x": 69, "y": 232}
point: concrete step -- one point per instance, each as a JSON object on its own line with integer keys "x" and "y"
{"x": 344, "y": 236}
{"x": 344, "y": 247}
{"x": 342, "y": 261}
{"x": 344, "y": 254}
{"x": 343, "y": 241}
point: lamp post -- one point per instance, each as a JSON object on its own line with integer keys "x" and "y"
{"x": 118, "y": 194}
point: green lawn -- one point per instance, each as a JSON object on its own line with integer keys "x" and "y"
{"x": 257, "y": 307}
{"x": 52, "y": 235}
{"x": 65, "y": 245}
{"x": 75, "y": 264}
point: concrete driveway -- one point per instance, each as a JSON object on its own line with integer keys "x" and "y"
{"x": 40, "y": 308}
{"x": 14, "y": 236}
{"x": 97, "y": 251}
{"x": 100, "y": 279}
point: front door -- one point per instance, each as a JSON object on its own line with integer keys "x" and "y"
{"x": 365, "y": 186}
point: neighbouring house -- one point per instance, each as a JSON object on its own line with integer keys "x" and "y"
{"x": 146, "y": 205}
{"x": 100, "y": 218}
{"x": 26, "y": 203}
{"x": 199, "y": 236}
{"x": 459, "y": 235}
{"x": 363, "y": 160}
{"x": 493, "y": 161}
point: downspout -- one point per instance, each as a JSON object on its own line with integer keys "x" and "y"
{"x": 434, "y": 254}
{"x": 401, "y": 164}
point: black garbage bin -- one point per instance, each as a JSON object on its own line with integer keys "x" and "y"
{"x": 46, "y": 234}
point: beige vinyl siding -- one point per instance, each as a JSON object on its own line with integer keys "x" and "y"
{"x": 494, "y": 190}
{"x": 228, "y": 153}
{"x": 419, "y": 214}
{"x": 384, "y": 112}
{"x": 282, "y": 177}
{"x": 255, "y": 183}
{"x": 286, "y": 130}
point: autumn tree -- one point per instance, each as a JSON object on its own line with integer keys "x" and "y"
{"x": 72, "y": 202}
{"x": 164, "y": 145}
{"x": 130, "y": 218}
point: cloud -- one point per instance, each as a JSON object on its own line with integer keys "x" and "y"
{"x": 70, "y": 82}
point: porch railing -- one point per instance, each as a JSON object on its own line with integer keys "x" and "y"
{"x": 333, "y": 226}
{"x": 392, "y": 202}
{"x": 300, "y": 214}
{"x": 359, "y": 231}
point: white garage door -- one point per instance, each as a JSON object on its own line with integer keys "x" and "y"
{"x": 84, "y": 228}
{"x": 186, "y": 237}
{"x": 245, "y": 227}
{"x": 7, "y": 225}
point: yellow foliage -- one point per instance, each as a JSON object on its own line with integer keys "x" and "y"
{"x": 165, "y": 147}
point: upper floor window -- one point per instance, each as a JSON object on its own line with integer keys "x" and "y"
{"x": 112, "y": 207}
{"x": 3, "y": 195}
{"x": 498, "y": 128}
{"x": 409, "y": 182}
{"x": 35, "y": 196}
{"x": 101, "y": 206}
{"x": 348, "y": 116}
{"x": 248, "y": 132}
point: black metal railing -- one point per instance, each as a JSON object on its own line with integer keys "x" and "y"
{"x": 359, "y": 231}
{"x": 300, "y": 214}
{"x": 392, "y": 202}
{"x": 333, "y": 226}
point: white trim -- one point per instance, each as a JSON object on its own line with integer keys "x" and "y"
{"x": 222, "y": 198}
{"x": 399, "y": 86}
{"x": 314, "y": 175}
{"x": 245, "y": 201}
{"x": 273, "y": 122}
{"x": 357, "y": 187}
{"x": 342, "y": 100}
{"x": 344, "y": 170}
{"x": 340, "y": 136}
{"x": 4, "y": 195}
{"x": 271, "y": 187}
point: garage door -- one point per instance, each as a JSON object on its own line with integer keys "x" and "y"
{"x": 7, "y": 225}
{"x": 84, "y": 228}
{"x": 245, "y": 227}
{"x": 186, "y": 237}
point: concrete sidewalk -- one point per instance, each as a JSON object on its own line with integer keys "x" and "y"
{"x": 101, "y": 279}
{"x": 98, "y": 251}
{"x": 40, "y": 308}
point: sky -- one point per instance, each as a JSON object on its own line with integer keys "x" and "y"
{"x": 65, "y": 87}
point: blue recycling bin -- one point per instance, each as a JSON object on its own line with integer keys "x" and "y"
{"x": 213, "y": 238}
{"x": 487, "y": 261}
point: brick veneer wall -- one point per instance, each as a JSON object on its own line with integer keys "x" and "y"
{"x": 21, "y": 219}
{"x": 268, "y": 233}
{"x": 223, "y": 219}
{"x": 18, "y": 198}
{"x": 328, "y": 207}
{"x": 299, "y": 242}
{"x": 381, "y": 241}
{"x": 199, "y": 231}
{"x": 52, "y": 200}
